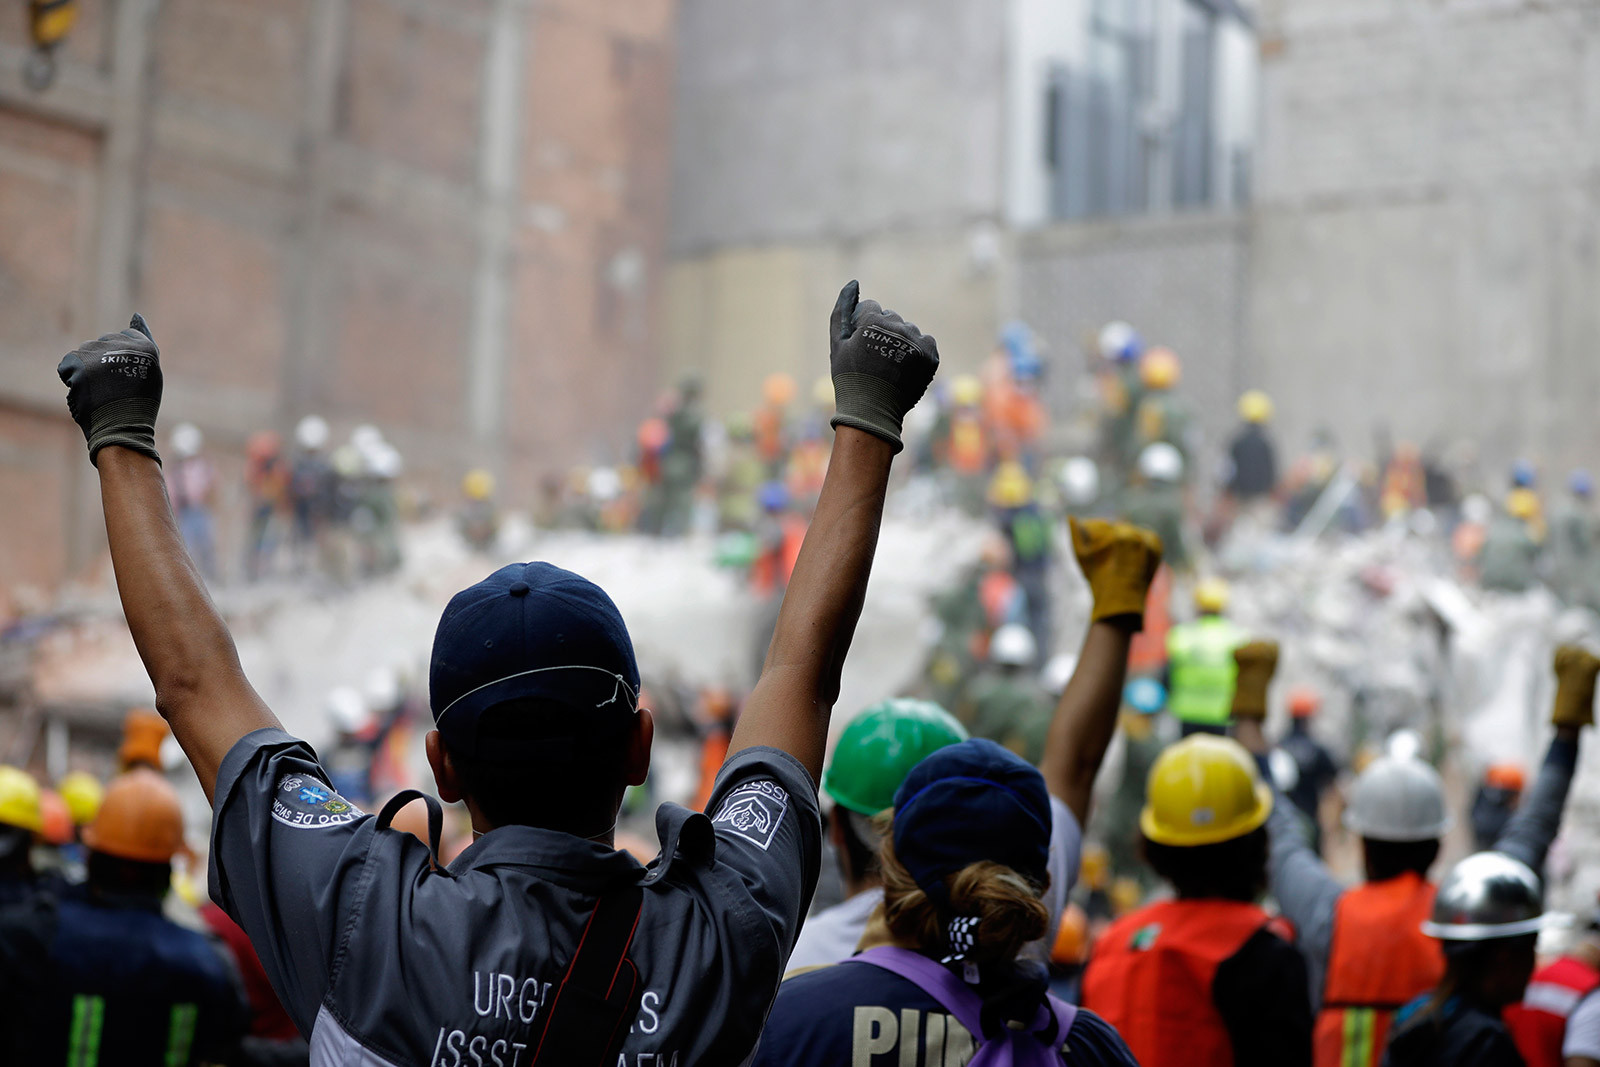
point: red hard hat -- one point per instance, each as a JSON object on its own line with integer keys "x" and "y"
{"x": 1304, "y": 701}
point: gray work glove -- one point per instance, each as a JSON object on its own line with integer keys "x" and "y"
{"x": 114, "y": 390}
{"x": 881, "y": 364}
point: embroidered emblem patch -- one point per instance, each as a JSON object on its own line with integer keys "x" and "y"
{"x": 305, "y": 802}
{"x": 753, "y": 812}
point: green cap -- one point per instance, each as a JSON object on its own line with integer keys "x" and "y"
{"x": 879, "y": 748}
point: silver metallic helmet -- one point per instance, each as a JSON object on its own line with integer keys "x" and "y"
{"x": 1397, "y": 800}
{"x": 1487, "y": 896}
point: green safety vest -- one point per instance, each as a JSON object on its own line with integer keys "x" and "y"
{"x": 1200, "y": 660}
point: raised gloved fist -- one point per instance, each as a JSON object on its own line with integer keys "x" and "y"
{"x": 1575, "y": 674}
{"x": 114, "y": 389}
{"x": 1257, "y": 661}
{"x": 881, "y": 365}
{"x": 1119, "y": 560}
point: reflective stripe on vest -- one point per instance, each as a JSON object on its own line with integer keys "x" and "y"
{"x": 1539, "y": 1023}
{"x": 1151, "y": 976}
{"x": 1200, "y": 657}
{"x": 1364, "y": 988}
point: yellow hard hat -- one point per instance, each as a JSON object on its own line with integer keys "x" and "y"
{"x": 1211, "y": 594}
{"x": 140, "y": 819}
{"x": 966, "y": 390}
{"x": 1522, "y": 504}
{"x": 478, "y": 484}
{"x": 83, "y": 793}
{"x": 1159, "y": 368}
{"x": 19, "y": 800}
{"x": 1255, "y": 406}
{"x": 1125, "y": 895}
{"x": 1202, "y": 791}
{"x": 822, "y": 392}
{"x": 778, "y": 389}
{"x": 1010, "y": 487}
{"x": 1094, "y": 870}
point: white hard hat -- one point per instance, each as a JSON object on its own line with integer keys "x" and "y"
{"x": 1161, "y": 462}
{"x": 366, "y": 437}
{"x": 1397, "y": 800}
{"x": 1116, "y": 338}
{"x": 381, "y": 689}
{"x": 186, "y": 440}
{"x": 1477, "y": 510}
{"x": 383, "y": 461}
{"x": 1058, "y": 672}
{"x": 312, "y": 433}
{"x": 1080, "y": 481}
{"x": 1013, "y": 646}
{"x": 1486, "y": 897}
{"x": 1404, "y": 743}
{"x": 605, "y": 484}
{"x": 347, "y": 710}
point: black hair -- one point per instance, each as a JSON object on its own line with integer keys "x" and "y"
{"x": 1230, "y": 870}
{"x": 1390, "y": 859}
{"x": 128, "y": 878}
{"x": 570, "y": 779}
{"x": 15, "y": 843}
{"x": 860, "y": 843}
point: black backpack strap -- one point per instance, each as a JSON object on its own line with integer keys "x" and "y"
{"x": 435, "y": 819}
{"x": 599, "y": 995}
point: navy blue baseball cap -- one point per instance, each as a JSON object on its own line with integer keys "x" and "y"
{"x": 530, "y": 632}
{"x": 969, "y": 802}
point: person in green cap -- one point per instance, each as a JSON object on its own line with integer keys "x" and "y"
{"x": 880, "y": 746}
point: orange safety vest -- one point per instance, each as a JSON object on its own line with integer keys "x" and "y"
{"x": 1539, "y": 1023}
{"x": 1151, "y": 973}
{"x": 1365, "y": 987}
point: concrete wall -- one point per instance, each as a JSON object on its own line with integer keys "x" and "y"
{"x": 1424, "y": 242}
{"x": 444, "y": 216}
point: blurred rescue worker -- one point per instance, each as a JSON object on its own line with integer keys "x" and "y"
{"x": 121, "y": 977}
{"x": 355, "y": 739}
{"x": 1120, "y": 392}
{"x": 313, "y": 489}
{"x": 1207, "y": 979}
{"x": 1154, "y": 499}
{"x": 1005, "y": 702}
{"x": 872, "y": 757}
{"x": 964, "y": 869}
{"x": 1486, "y": 917}
{"x": 512, "y": 951}
{"x": 266, "y": 479}
{"x": 967, "y": 452}
{"x": 192, "y": 483}
{"x": 1311, "y": 769}
{"x": 1539, "y": 1023}
{"x": 1509, "y": 559}
{"x": 1574, "y": 551}
{"x": 1404, "y": 489}
{"x": 1200, "y": 662}
{"x": 879, "y": 747}
{"x": 1397, "y": 807}
{"x": 479, "y": 521}
{"x": 1140, "y": 723}
{"x": 1252, "y": 471}
{"x": 20, "y": 819}
{"x": 683, "y": 459}
{"x": 1495, "y": 802}
{"x": 1026, "y": 529}
{"x": 1162, "y": 416}
{"x": 771, "y": 423}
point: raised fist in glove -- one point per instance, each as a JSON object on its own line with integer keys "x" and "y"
{"x": 1257, "y": 661}
{"x": 114, "y": 390}
{"x": 881, "y": 365}
{"x": 1120, "y": 560}
{"x": 1575, "y": 673}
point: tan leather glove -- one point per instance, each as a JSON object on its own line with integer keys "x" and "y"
{"x": 1575, "y": 673}
{"x": 1119, "y": 559}
{"x": 1257, "y": 662}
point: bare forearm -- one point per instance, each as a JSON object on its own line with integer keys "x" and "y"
{"x": 185, "y": 646}
{"x": 1086, "y": 717}
{"x": 792, "y": 702}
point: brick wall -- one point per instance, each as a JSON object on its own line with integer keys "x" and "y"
{"x": 444, "y": 216}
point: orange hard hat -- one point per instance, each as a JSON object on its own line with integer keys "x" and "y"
{"x": 1072, "y": 939}
{"x": 140, "y": 819}
{"x": 653, "y": 434}
{"x": 1304, "y": 701}
{"x": 142, "y": 733}
{"x": 56, "y": 818}
{"x": 263, "y": 445}
{"x": 778, "y": 389}
{"x": 1507, "y": 776}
